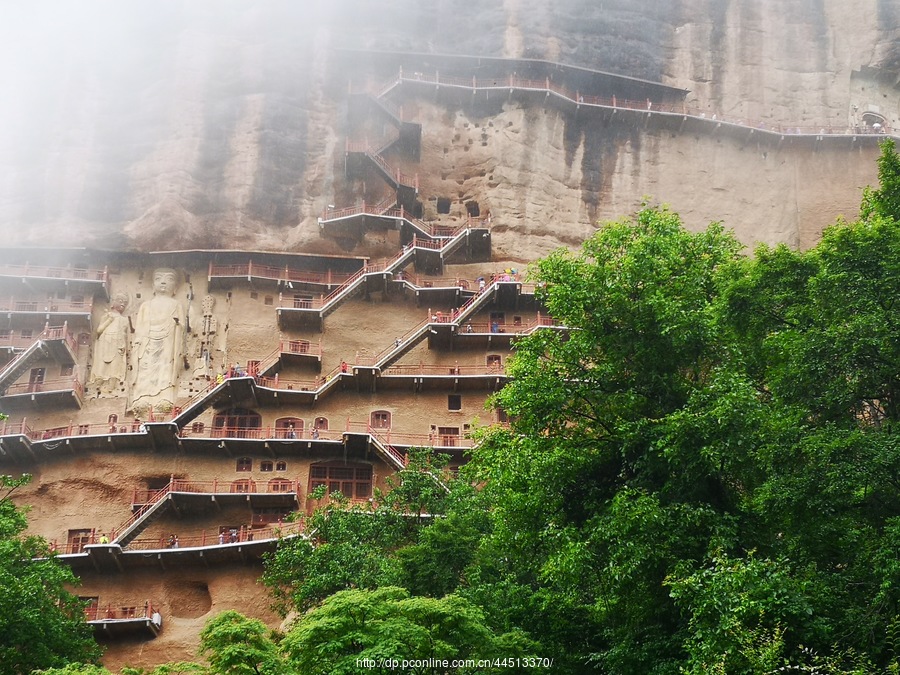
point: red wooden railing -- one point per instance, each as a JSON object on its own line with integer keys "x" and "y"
{"x": 274, "y": 485}
{"x": 284, "y": 274}
{"x": 259, "y": 433}
{"x": 119, "y": 612}
{"x": 645, "y": 105}
{"x": 443, "y": 370}
{"x": 46, "y": 272}
{"x": 245, "y": 533}
{"x": 42, "y": 306}
{"x": 49, "y": 333}
{"x": 59, "y": 384}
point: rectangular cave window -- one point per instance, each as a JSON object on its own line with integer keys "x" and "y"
{"x": 381, "y": 419}
{"x": 269, "y": 300}
{"x": 254, "y": 295}
{"x": 266, "y": 466}
{"x": 77, "y": 540}
{"x": 443, "y": 205}
{"x": 454, "y": 402}
{"x": 281, "y": 466}
{"x": 449, "y": 436}
{"x": 244, "y": 464}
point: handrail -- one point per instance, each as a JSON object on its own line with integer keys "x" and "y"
{"x": 68, "y": 273}
{"x": 245, "y": 533}
{"x": 274, "y": 485}
{"x": 268, "y": 362}
{"x": 70, "y": 383}
{"x": 389, "y": 107}
{"x": 399, "y": 345}
{"x": 150, "y": 505}
{"x": 119, "y": 612}
{"x": 283, "y": 274}
{"x": 387, "y": 208}
{"x": 578, "y": 98}
{"x": 261, "y": 433}
{"x": 197, "y": 397}
{"x": 16, "y": 429}
{"x": 60, "y": 333}
{"x": 48, "y": 306}
{"x": 443, "y": 370}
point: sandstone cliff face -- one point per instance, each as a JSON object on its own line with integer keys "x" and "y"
{"x": 222, "y": 125}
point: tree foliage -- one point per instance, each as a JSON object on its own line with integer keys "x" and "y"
{"x": 236, "y": 645}
{"x": 702, "y": 468}
{"x": 389, "y": 624}
{"x": 354, "y": 546}
{"x": 700, "y": 476}
{"x": 42, "y": 624}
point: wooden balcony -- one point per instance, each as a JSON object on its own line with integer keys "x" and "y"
{"x": 114, "y": 621}
{"x": 54, "y": 311}
{"x": 225, "y": 276}
{"x": 200, "y": 549}
{"x": 92, "y": 281}
{"x": 61, "y": 392}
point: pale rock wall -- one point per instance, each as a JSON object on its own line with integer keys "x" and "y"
{"x": 221, "y": 125}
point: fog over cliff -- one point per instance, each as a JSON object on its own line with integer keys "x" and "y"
{"x": 219, "y": 124}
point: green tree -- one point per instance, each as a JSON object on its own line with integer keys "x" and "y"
{"x": 352, "y": 546}
{"x": 592, "y": 506}
{"x": 388, "y": 623}
{"x": 236, "y": 645}
{"x": 885, "y": 200}
{"x": 42, "y": 624}
{"x": 701, "y": 471}
{"x": 76, "y": 669}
